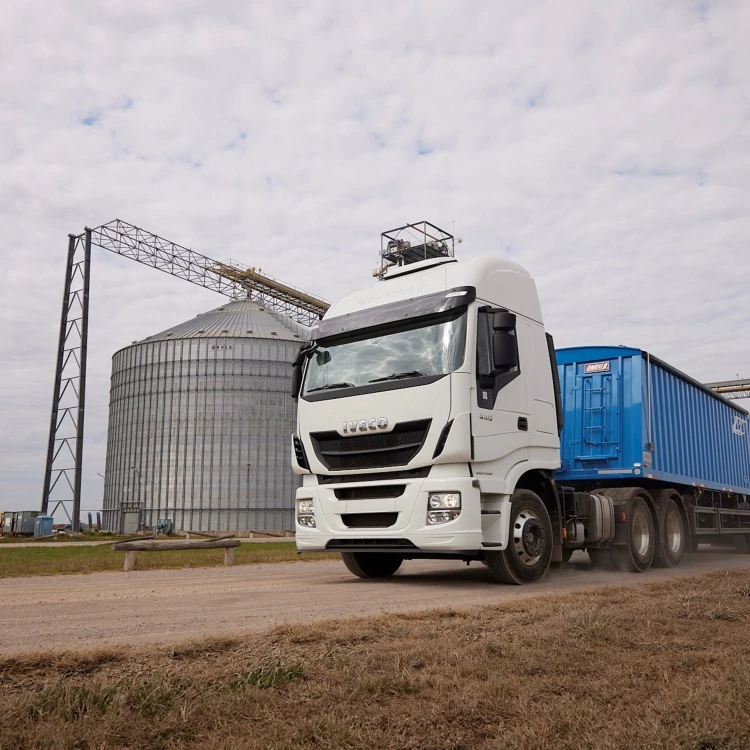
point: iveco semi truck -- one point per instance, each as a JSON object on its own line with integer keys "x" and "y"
{"x": 436, "y": 420}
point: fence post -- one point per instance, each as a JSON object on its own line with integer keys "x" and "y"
{"x": 130, "y": 558}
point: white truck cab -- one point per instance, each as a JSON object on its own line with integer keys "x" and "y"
{"x": 428, "y": 421}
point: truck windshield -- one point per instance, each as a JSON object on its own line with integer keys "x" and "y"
{"x": 427, "y": 349}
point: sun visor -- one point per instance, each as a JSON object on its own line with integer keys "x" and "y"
{"x": 395, "y": 312}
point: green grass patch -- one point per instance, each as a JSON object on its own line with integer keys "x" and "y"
{"x": 53, "y": 560}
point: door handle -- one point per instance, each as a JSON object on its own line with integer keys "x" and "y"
{"x": 523, "y": 424}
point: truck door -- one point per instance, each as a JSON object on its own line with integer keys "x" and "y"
{"x": 499, "y": 409}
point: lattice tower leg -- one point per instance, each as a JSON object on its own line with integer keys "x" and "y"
{"x": 62, "y": 477}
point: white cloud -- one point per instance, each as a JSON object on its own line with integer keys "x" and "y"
{"x": 606, "y": 149}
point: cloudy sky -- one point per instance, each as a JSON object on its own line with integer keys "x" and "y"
{"x": 605, "y": 146}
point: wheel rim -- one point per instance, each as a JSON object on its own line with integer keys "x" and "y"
{"x": 529, "y": 537}
{"x": 641, "y": 534}
{"x": 673, "y": 533}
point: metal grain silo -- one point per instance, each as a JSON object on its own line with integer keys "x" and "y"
{"x": 200, "y": 420}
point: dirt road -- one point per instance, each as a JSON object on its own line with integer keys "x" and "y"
{"x": 166, "y": 606}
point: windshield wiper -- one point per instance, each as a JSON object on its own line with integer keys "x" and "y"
{"x": 399, "y": 376}
{"x": 330, "y": 386}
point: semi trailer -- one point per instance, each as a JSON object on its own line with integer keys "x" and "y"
{"x": 435, "y": 419}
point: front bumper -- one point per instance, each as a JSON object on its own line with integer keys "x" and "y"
{"x": 410, "y": 509}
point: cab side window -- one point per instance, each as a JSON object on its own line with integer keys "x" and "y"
{"x": 493, "y": 376}
{"x": 484, "y": 344}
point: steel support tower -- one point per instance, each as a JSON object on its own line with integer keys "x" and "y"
{"x": 62, "y": 478}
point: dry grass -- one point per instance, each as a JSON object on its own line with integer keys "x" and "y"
{"x": 51, "y": 560}
{"x": 662, "y": 665}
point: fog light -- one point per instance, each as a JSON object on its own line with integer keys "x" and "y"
{"x": 307, "y": 521}
{"x": 435, "y": 517}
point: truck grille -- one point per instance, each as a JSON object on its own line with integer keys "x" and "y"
{"x": 371, "y": 451}
{"x": 385, "y": 476}
{"x": 369, "y": 520}
{"x": 369, "y": 492}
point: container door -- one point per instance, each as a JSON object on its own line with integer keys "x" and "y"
{"x": 131, "y": 522}
{"x": 598, "y": 419}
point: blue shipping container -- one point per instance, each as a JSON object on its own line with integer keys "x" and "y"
{"x": 628, "y": 415}
{"x": 43, "y": 525}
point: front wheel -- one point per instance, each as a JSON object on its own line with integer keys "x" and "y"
{"x": 529, "y": 550}
{"x": 372, "y": 564}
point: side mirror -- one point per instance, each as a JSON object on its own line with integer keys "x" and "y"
{"x": 503, "y": 321}
{"x": 304, "y": 351}
{"x": 504, "y": 351}
{"x": 296, "y": 378}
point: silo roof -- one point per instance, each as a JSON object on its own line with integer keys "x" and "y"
{"x": 234, "y": 319}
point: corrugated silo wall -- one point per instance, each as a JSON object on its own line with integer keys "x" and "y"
{"x": 199, "y": 433}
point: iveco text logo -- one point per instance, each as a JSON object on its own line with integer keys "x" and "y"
{"x": 376, "y": 423}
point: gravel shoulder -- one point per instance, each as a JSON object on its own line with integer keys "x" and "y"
{"x": 168, "y": 606}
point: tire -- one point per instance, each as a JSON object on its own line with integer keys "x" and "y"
{"x": 601, "y": 558}
{"x": 671, "y": 546}
{"x": 637, "y": 555}
{"x": 742, "y": 543}
{"x": 529, "y": 550}
{"x": 371, "y": 564}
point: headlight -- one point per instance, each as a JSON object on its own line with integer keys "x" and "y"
{"x": 305, "y": 507}
{"x": 306, "y": 513}
{"x": 447, "y": 500}
{"x": 452, "y": 500}
{"x": 443, "y": 507}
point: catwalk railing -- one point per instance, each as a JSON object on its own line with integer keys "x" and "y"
{"x": 733, "y": 389}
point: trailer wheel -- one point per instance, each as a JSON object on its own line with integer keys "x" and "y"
{"x": 671, "y": 546}
{"x": 529, "y": 550}
{"x": 637, "y": 555}
{"x": 371, "y": 564}
{"x": 742, "y": 543}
